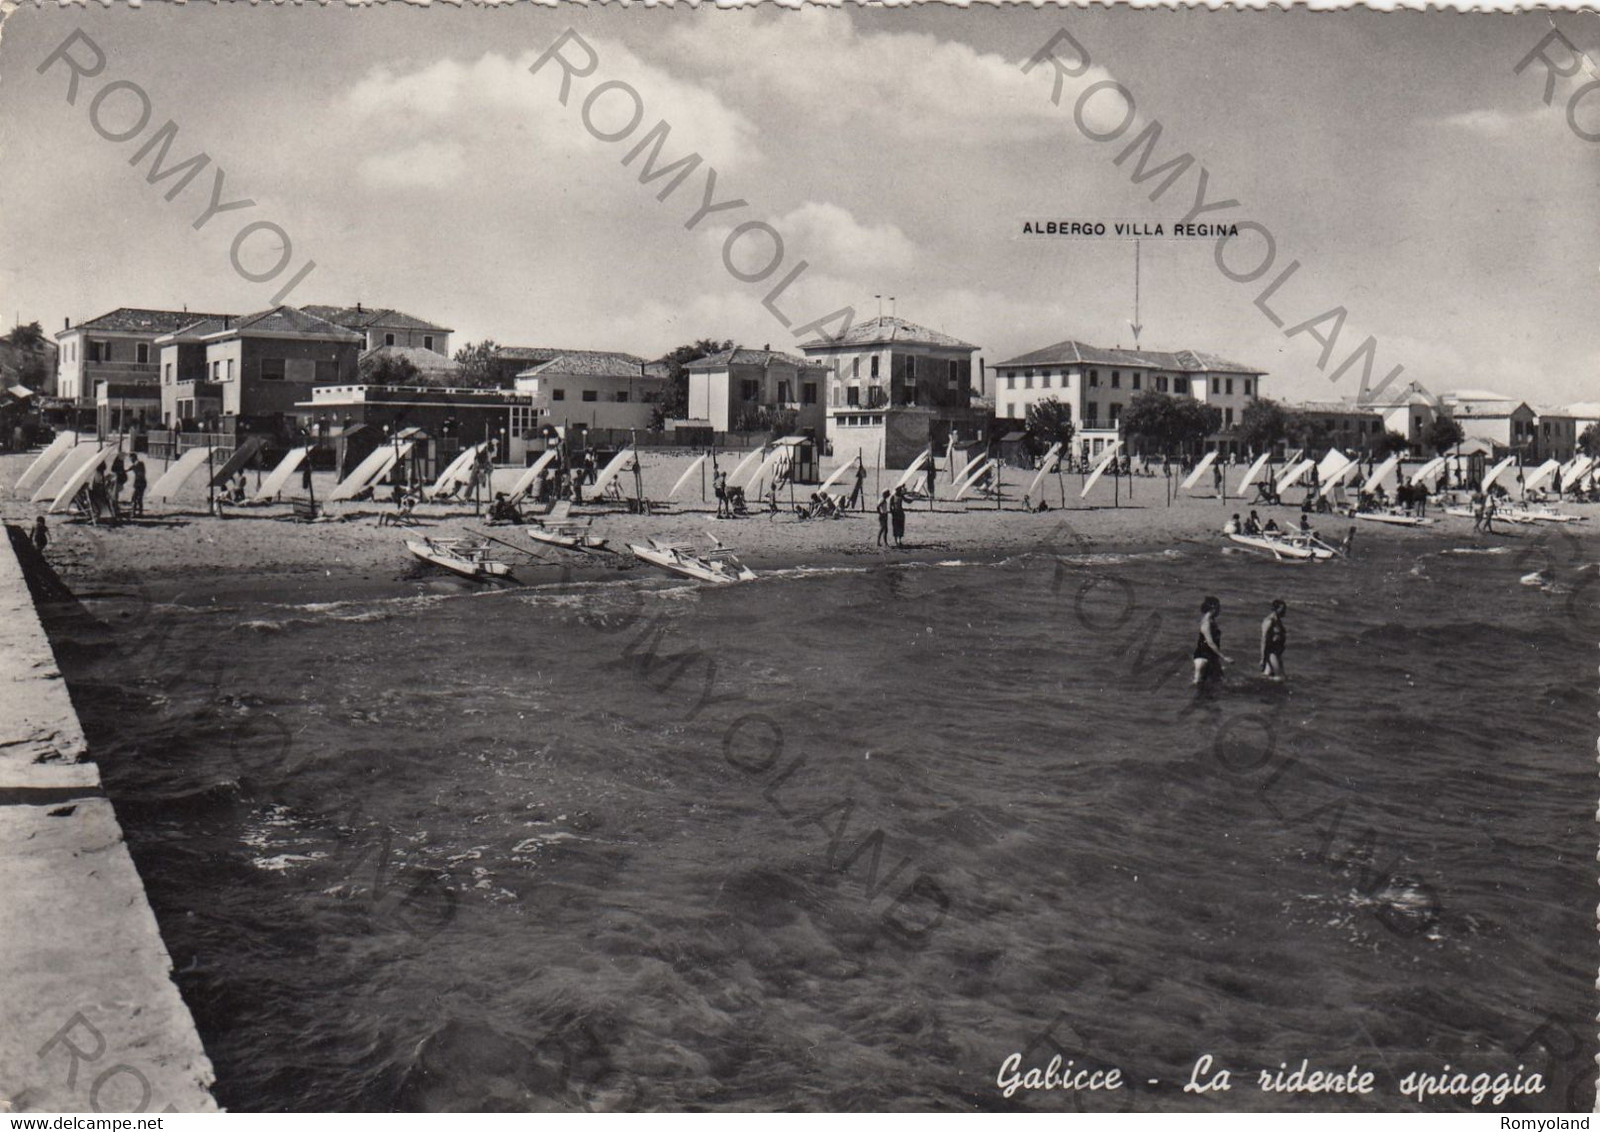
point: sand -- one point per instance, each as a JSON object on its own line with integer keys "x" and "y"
{"x": 179, "y": 540}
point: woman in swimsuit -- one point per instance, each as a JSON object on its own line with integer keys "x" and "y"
{"x": 1274, "y": 638}
{"x": 1208, "y": 658}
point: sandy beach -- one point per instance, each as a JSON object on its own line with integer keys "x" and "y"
{"x": 179, "y": 539}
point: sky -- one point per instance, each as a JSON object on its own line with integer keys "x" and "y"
{"x": 1419, "y": 181}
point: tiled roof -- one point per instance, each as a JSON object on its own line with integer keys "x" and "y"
{"x": 1332, "y": 408}
{"x": 1484, "y": 409}
{"x": 887, "y": 330}
{"x": 362, "y": 317}
{"x": 278, "y": 320}
{"x": 739, "y": 356}
{"x": 583, "y": 363}
{"x": 1073, "y": 352}
{"x": 139, "y": 320}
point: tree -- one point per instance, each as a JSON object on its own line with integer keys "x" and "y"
{"x": 1589, "y": 441}
{"x": 1170, "y": 423}
{"x": 767, "y": 418}
{"x": 27, "y": 336}
{"x": 1389, "y": 444}
{"x": 1049, "y": 422}
{"x": 1263, "y": 424}
{"x": 674, "y": 403}
{"x": 478, "y": 365}
{"x": 390, "y": 370}
{"x": 1308, "y": 430}
{"x": 1444, "y": 434}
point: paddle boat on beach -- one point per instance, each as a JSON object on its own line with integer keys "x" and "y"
{"x": 718, "y": 565}
{"x": 1395, "y": 517}
{"x": 465, "y": 557}
{"x": 567, "y": 536}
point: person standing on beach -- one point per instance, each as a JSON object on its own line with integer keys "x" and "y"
{"x": 720, "y": 482}
{"x": 136, "y": 506}
{"x": 933, "y": 480}
{"x": 41, "y": 534}
{"x": 858, "y": 497}
{"x": 1274, "y": 639}
{"x": 897, "y": 513}
{"x": 883, "y": 520}
{"x": 1208, "y": 658}
{"x": 119, "y": 477}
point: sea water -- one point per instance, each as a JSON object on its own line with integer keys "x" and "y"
{"x": 849, "y": 838}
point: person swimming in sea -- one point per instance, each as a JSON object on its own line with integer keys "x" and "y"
{"x": 1274, "y": 639}
{"x": 1208, "y": 658}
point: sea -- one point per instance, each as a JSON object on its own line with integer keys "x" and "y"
{"x": 850, "y": 837}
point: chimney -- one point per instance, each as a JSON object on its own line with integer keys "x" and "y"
{"x": 358, "y": 307}
{"x": 66, "y": 324}
{"x": 227, "y": 322}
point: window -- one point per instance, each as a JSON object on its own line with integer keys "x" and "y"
{"x": 1227, "y": 417}
{"x": 1136, "y": 382}
{"x": 141, "y": 353}
{"x": 589, "y": 395}
{"x": 388, "y": 339}
{"x": 272, "y": 369}
{"x": 1116, "y": 379}
{"x": 874, "y": 365}
{"x": 1161, "y": 384}
{"x": 808, "y": 393}
{"x": 1247, "y": 387}
{"x": 855, "y": 367}
{"x": 1027, "y": 381}
{"x": 852, "y": 396}
{"x": 1216, "y": 385}
{"x": 558, "y": 394}
{"x": 216, "y": 371}
{"x": 911, "y": 370}
{"x": 1011, "y": 381}
{"x": 955, "y": 375}
{"x": 1091, "y": 412}
{"x": 95, "y": 351}
{"x": 1116, "y": 414}
{"x": 1229, "y": 385}
{"x": 783, "y": 392}
{"x": 622, "y": 396}
{"x": 1094, "y": 379}
{"x": 427, "y": 341}
{"x": 749, "y": 389}
{"x": 1180, "y": 385}
{"x": 230, "y": 369}
{"x": 167, "y": 376}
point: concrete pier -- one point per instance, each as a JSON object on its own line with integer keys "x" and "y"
{"x": 90, "y": 1020}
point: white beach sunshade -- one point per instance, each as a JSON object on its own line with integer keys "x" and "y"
{"x": 916, "y": 466}
{"x": 1294, "y": 475}
{"x": 273, "y": 484}
{"x": 75, "y": 458}
{"x": 1497, "y": 471}
{"x": 53, "y": 454}
{"x": 185, "y": 469}
{"x": 1199, "y": 470}
{"x": 1251, "y": 474}
{"x": 1538, "y": 476}
{"x": 524, "y": 483}
{"x": 1428, "y": 471}
{"x": 1100, "y": 467}
{"x": 1380, "y": 473}
{"x": 84, "y": 473}
{"x": 683, "y": 479}
{"x": 379, "y": 461}
{"x": 611, "y": 470}
{"x": 1050, "y": 459}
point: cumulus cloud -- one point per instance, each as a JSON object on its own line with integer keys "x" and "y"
{"x": 908, "y": 85}
{"x": 431, "y": 165}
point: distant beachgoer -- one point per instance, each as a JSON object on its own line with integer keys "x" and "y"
{"x": 1349, "y": 540}
{"x": 239, "y": 489}
{"x": 883, "y": 520}
{"x": 1252, "y": 525}
{"x": 1208, "y": 658}
{"x": 140, "y": 483}
{"x": 1305, "y": 526}
{"x": 305, "y": 474}
{"x": 933, "y": 477}
{"x": 858, "y": 497}
{"x": 897, "y": 513}
{"x": 1274, "y": 638}
{"x": 41, "y": 533}
{"x": 1272, "y": 527}
{"x": 577, "y": 485}
{"x": 119, "y": 476}
{"x": 590, "y": 471}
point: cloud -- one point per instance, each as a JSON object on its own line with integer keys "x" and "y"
{"x": 503, "y": 122}
{"x": 901, "y": 85}
{"x": 1490, "y": 123}
{"x": 431, "y": 165}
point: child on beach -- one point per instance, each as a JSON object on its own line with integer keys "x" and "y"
{"x": 883, "y": 520}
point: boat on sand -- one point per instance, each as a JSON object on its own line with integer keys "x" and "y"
{"x": 468, "y": 558}
{"x": 1395, "y": 518}
{"x": 567, "y": 536}
{"x": 718, "y": 565}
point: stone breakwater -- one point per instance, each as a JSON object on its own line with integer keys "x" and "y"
{"x": 90, "y": 1020}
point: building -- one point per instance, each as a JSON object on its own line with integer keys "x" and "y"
{"x": 431, "y": 368}
{"x": 1557, "y": 433}
{"x": 1341, "y": 424}
{"x": 1407, "y": 411}
{"x": 384, "y": 326}
{"x": 743, "y": 389}
{"x": 895, "y": 388}
{"x": 119, "y": 346}
{"x": 1097, "y": 383}
{"x": 1507, "y": 425}
{"x": 593, "y": 388}
{"x": 451, "y": 418}
{"x": 256, "y": 369}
